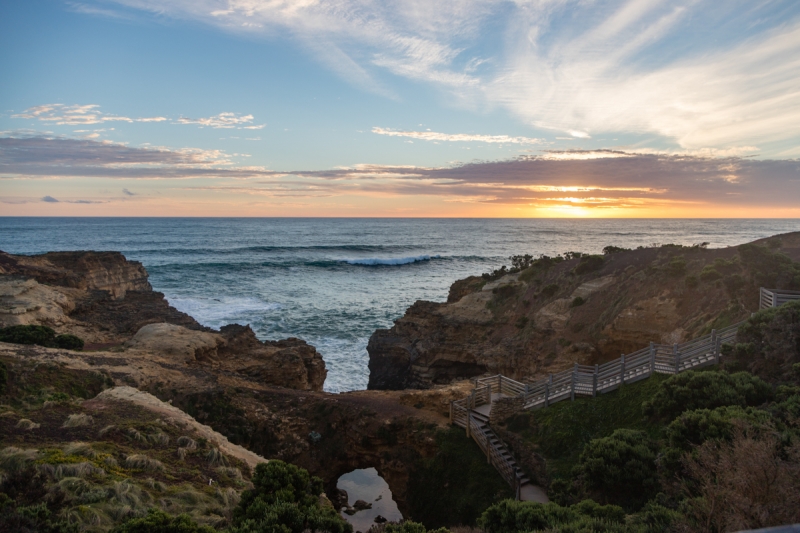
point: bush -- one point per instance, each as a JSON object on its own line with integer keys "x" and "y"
{"x": 69, "y": 342}
{"x": 677, "y": 267}
{"x": 577, "y": 302}
{"x": 620, "y": 469}
{"x": 691, "y": 282}
{"x": 768, "y": 343}
{"x": 285, "y": 499}
{"x": 34, "y": 518}
{"x": 770, "y": 268}
{"x": 407, "y": 527}
{"x": 41, "y": 336}
{"x": 589, "y": 263}
{"x": 158, "y": 521}
{"x": 709, "y": 273}
{"x": 514, "y": 517}
{"x": 705, "y": 390}
{"x": 693, "y": 428}
{"x": 608, "y": 250}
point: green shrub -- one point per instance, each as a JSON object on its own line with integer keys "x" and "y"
{"x": 285, "y": 499}
{"x": 515, "y": 517}
{"x": 158, "y": 521}
{"x": 705, "y": 390}
{"x": 69, "y": 342}
{"x": 768, "y": 343}
{"x": 41, "y": 336}
{"x": 677, "y": 267}
{"x": 33, "y": 518}
{"x": 577, "y": 302}
{"x": 770, "y": 268}
{"x": 411, "y": 527}
{"x": 691, "y": 281}
{"x": 608, "y": 250}
{"x": 589, "y": 263}
{"x": 693, "y": 428}
{"x": 621, "y": 468}
{"x": 709, "y": 273}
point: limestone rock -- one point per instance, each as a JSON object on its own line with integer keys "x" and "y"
{"x": 177, "y": 342}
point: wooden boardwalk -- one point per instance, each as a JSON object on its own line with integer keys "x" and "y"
{"x": 475, "y": 411}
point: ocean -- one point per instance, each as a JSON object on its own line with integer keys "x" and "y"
{"x": 332, "y": 282}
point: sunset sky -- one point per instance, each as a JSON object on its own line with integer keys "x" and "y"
{"x": 478, "y": 108}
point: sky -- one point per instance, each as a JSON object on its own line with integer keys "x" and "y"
{"x": 404, "y": 108}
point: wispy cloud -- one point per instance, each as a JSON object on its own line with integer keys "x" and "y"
{"x": 223, "y": 121}
{"x": 86, "y": 115}
{"x": 695, "y": 74}
{"x": 457, "y": 137}
{"x": 76, "y": 115}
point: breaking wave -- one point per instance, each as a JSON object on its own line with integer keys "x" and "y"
{"x": 392, "y": 261}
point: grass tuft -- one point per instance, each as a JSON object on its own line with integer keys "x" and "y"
{"x": 14, "y": 459}
{"x": 78, "y": 420}
{"x": 27, "y": 424}
{"x": 143, "y": 462}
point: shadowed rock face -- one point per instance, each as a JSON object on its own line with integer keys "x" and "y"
{"x": 545, "y": 319}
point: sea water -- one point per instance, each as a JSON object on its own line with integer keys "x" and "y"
{"x": 333, "y": 282}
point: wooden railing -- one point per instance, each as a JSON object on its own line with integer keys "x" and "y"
{"x": 587, "y": 380}
{"x": 776, "y": 298}
{"x": 461, "y": 416}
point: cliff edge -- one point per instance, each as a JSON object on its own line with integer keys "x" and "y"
{"x": 579, "y": 308}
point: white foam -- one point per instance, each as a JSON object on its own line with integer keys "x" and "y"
{"x": 391, "y": 261}
{"x": 217, "y": 312}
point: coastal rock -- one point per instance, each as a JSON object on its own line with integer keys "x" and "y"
{"x": 545, "y": 319}
{"x": 176, "y": 342}
{"x": 25, "y": 301}
{"x": 107, "y": 301}
{"x": 105, "y": 271}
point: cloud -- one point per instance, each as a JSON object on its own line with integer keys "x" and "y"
{"x": 76, "y": 115}
{"x": 593, "y": 179}
{"x": 49, "y": 199}
{"x": 457, "y": 137}
{"x": 223, "y": 120}
{"x": 693, "y": 74}
{"x": 126, "y": 192}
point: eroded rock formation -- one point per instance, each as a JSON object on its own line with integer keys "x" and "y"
{"x": 107, "y": 301}
{"x": 552, "y": 315}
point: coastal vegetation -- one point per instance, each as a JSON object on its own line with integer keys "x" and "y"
{"x": 41, "y": 336}
{"x": 714, "y": 450}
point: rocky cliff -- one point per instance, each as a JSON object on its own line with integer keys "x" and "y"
{"x": 107, "y": 300}
{"x": 586, "y": 309}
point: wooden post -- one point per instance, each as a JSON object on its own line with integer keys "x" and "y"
{"x": 652, "y": 358}
{"x": 676, "y": 355}
{"x": 574, "y": 375}
{"x": 525, "y": 394}
{"x": 594, "y": 380}
{"x": 622, "y": 369}
{"x": 469, "y": 422}
{"x": 717, "y": 350}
